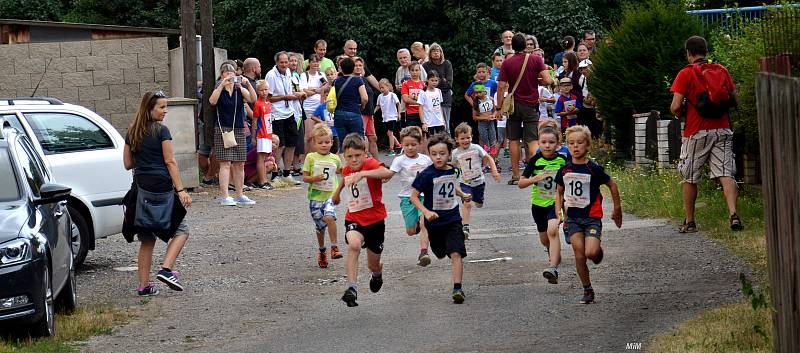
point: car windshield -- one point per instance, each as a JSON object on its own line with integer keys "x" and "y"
{"x": 8, "y": 179}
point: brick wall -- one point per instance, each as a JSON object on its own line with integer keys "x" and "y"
{"x": 107, "y": 76}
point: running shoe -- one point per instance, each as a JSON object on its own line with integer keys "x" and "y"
{"x": 170, "y": 278}
{"x": 322, "y": 259}
{"x": 150, "y": 290}
{"x": 375, "y": 283}
{"x": 458, "y": 296}
{"x": 231, "y": 187}
{"x": 423, "y": 259}
{"x": 244, "y": 201}
{"x": 335, "y": 253}
{"x": 486, "y": 169}
{"x": 228, "y": 201}
{"x": 265, "y": 186}
{"x": 391, "y": 153}
{"x": 349, "y": 297}
{"x": 551, "y": 274}
{"x": 506, "y": 153}
{"x": 485, "y": 148}
{"x": 465, "y": 229}
{"x": 493, "y": 151}
{"x": 588, "y": 296}
{"x": 291, "y": 181}
{"x": 599, "y": 258}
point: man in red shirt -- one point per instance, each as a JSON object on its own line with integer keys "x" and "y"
{"x": 705, "y": 140}
{"x": 524, "y": 123}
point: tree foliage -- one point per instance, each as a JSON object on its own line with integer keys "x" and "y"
{"x": 41, "y": 10}
{"x": 634, "y": 70}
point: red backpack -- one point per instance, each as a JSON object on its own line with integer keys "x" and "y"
{"x": 717, "y": 96}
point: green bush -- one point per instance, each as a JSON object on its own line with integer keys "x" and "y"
{"x": 634, "y": 69}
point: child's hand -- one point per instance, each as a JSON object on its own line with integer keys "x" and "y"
{"x": 496, "y": 175}
{"x": 245, "y": 82}
{"x": 352, "y": 179}
{"x": 617, "y": 216}
{"x": 537, "y": 178}
{"x": 466, "y": 198}
{"x": 319, "y": 178}
{"x": 424, "y": 127}
{"x": 430, "y": 215}
{"x": 336, "y": 199}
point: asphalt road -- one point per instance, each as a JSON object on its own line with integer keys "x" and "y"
{"x": 253, "y": 285}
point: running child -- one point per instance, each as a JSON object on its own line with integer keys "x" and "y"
{"x": 364, "y": 220}
{"x": 319, "y": 171}
{"x": 410, "y": 91}
{"x": 431, "y": 103}
{"x": 471, "y": 160}
{"x": 389, "y": 105}
{"x": 568, "y": 105}
{"x": 540, "y": 172}
{"x": 439, "y": 183}
{"x": 265, "y": 139}
{"x": 578, "y": 194}
{"x": 484, "y": 113}
{"x": 408, "y": 165}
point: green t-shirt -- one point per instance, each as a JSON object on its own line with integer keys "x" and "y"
{"x": 327, "y": 165}
{"x": 323, "y": 65}
{"x": 543, "y": 193}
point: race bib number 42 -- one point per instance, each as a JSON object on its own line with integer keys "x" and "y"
{"x": 444, "y": 193}
{"x": 327, "y": 170}
{"x": 360, "y": 198}
{"x": 576, "y": 189}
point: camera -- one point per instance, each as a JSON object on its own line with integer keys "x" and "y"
{"x": 236, "y": 79}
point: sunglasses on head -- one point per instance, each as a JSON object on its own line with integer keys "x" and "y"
{"x": 159, "y": 94}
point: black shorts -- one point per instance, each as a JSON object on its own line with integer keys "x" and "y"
{"x": 447, "y": 239}
{"x": 475, "y": 191}
{"x": 391, "y": 125}
{"x": 524, "y": 123}
{"x": 541, "y": 215}
{"x": 286, "y": 129}
{"x": 433, "y": 130}
{"x": 373, "y": 235}
{"x": 413, "y": 120}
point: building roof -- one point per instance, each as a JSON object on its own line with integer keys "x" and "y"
{"x": 86, "y": 26}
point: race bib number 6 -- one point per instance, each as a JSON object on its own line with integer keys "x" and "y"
{"x": 576, "y": 189}
{"x": 444, "y": 193}
{"x": 327, "y": 170}
{"x": 360, "y": 197}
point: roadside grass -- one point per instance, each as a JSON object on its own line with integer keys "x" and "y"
{"x": 83, "y": 323}
{"x": 735, "y": 327}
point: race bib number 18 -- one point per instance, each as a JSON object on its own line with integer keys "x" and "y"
{"x": 444, "y": 193}
{"x": 360, "y": 197}
{"x": 576, "y": 189}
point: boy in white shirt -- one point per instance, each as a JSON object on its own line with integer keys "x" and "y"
{"x": 389, "y": 105}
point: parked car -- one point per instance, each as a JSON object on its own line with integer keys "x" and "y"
{"x": 37, "y": 272}
{"x": 84, "y": 151}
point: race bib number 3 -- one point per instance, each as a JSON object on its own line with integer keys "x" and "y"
{"x": 546, "y": 188}
{"x": 444, "y": 193}
{"x": 470, "y": 163}
{"x": 327, "y": 170}
{"x": 360, "y": 198}
{"x": 576, "y": 189}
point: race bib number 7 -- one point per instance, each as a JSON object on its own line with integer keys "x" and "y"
{"x": 444, "y": 193}
{"x": 470, "y": 163}
{"x": 576, "y": 189}
{"x": 327, "y": 170}
{"x": 360, "y": 197}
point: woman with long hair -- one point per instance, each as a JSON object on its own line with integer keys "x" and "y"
{"x": 148, "y": 151}
{"x": 567, "y": 46}
{"x": 570, "y": 62}
{"x": 228, "y": 100}
{"x": 437, "y": 62}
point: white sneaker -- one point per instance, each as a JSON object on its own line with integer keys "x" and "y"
{"x": 244, "y": 200}
{"x": 228, "y": 201}
{"x": 291, "y": 181}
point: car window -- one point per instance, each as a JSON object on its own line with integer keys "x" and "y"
{"x": 64, "y": 132}
{"x": 13, "y": 120}
{"x": 7, "y": 177}
{"x": 32, "y": 167}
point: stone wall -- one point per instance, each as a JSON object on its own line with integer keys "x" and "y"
{"x": 106, "y": 76}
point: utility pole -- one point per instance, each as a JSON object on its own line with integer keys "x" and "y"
{"x": 207, "y": 33}
{"x": 189, "y": 45}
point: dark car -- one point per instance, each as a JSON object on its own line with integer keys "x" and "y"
{"x": 36, "y": 257}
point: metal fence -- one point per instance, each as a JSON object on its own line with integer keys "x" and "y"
{"x": 781, "y": 28}
{"x": 731, "y": 18}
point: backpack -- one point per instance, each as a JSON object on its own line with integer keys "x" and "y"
{"x": 716, "y": 98}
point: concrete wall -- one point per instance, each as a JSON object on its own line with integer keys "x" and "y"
{"x": 180, "y": 120}
{"x": 106, "y": 76}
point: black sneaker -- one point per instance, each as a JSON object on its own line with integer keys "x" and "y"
{"x": 350, "y": 297}
{"x": 551, "y": 274}
{"x": 170, "y": 278}
{"x": 588, "y": 296}
{"x": 423, "y": 260}
{"x": 458, "y": 296}
{"x": 599, "y": 258}
{"x": 150, "y": 290}
{"x": 375, "y": 283}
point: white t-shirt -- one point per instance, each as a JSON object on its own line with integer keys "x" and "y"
{"x": 470, "y": 161}
{"x": 388, "y": 104}
{"x": 309, "y": 81}
{"x": 486, "y": 105}
{"x": 431, "y": 103}
{"x": 280, "y": 85}
{"x": 407, "y": 169}
{"x": 544, "y": 93}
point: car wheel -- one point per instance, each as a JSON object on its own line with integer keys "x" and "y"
{"x": 46, "y": 326}
{"x": 79, "y": 236}
{"x": 67, "y": 299}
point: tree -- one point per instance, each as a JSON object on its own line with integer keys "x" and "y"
{"x": 42, "y": 10}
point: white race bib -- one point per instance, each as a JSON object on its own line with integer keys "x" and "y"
{"x": 268, "y": 123}
{"x": 328, "y": 170}
{"x": 470, "y": 163}
{"x": 444, "y": 193}
{"x": 546, "y": 188}
{"x": 576, "y": 189}
{"x": 360, "y": 198}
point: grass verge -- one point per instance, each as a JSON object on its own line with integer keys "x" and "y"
{"x": 738, "y": 327}
{"x": 83, "y": 323}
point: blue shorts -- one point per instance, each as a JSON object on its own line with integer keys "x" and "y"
{"x": 475, "y": 191}
{"x": 590, "y": 227}
{"x": 320, "y": 209}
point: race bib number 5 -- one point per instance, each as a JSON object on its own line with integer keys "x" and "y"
{"x": 327, "y": 170}
{"x": 444, "y": 193}
{"x": 360, "y": 197}
{"x": 546, "y": 188}
{"x": 576, "y": 189}
{"x": 470, "y": 163}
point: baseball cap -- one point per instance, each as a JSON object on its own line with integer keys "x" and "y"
{"x": 565, "y": 80}
{"x": 479, "y": 88}
{"x": 584, "y": 63}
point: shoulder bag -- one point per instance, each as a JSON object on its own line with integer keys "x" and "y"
{"x": 228, "y": 138}
{"x": 333, "y": 96}
{"x": 508, "y": 103}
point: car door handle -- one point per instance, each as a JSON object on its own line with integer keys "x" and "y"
{"x": 59, "y": 210}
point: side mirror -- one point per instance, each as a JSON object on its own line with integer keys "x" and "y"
{"x": 51, "y": 193}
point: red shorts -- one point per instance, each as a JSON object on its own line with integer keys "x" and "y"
{"x": 369, "y": 125}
